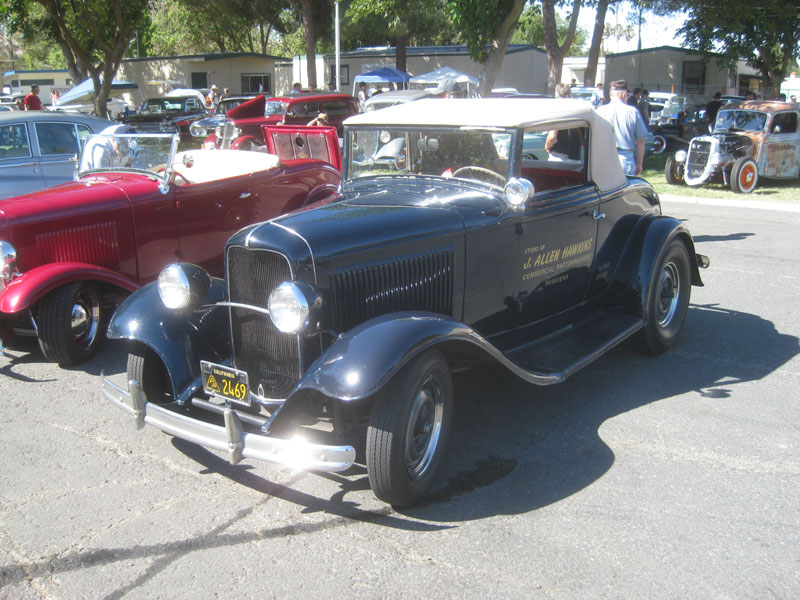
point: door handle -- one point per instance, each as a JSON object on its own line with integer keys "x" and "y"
{"x": 244, "y": 195}
{"x": 597, "y": 215}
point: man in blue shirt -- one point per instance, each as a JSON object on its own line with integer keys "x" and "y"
{"x": 629, "y": 127}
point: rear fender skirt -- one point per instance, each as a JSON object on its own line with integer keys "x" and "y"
{"x": 633, "y": 279}
{"x": 27, "y": 289}
{"x": 180, "y": 338}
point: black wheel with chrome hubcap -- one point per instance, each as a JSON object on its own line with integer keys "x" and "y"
{"x": 408, "y": 430}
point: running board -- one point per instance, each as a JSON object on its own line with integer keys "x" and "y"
{"x": 572, "y": 348}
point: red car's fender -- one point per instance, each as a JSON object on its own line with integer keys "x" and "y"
{"x": 27, "y": 289}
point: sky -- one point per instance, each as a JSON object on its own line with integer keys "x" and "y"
{"x": 656, "y": 31}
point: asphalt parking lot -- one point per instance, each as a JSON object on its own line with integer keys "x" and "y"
{"x": 640, "y": 477}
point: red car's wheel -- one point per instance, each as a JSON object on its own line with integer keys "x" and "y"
{"x": 70, "y": 322}
{"x": 744, "y": 175}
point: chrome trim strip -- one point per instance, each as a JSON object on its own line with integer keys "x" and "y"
{"x": 245, "y": 306}
{"x": 232, "y": 438}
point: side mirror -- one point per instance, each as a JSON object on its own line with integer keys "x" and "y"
{"x": 776, "y": 129}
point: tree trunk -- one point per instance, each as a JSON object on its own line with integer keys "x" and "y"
{"x": 400, "y": 51}
{"x": 590, "y": 76}
{"x": 307, "y": 17}
{"x": 498, "y": 51}
{"x": 556, "y": 53}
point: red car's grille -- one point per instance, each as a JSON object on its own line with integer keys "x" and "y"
{"x": 95, "y": 244}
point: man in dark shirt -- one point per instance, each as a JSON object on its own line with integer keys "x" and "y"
{"x": 712, "y": 108}
{"x": 32, "y": 101}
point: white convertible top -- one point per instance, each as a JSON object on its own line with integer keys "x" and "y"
{"x": 527, "y": 113}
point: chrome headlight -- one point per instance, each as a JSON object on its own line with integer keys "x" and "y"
{"x": 680, "y": 156}
{"x": 292, "y": 306}
{"x": 518, "y": 191}
{"x": 197, "y": 131}
{"x": 8, "y": 261}
{"x": 182, "y": 285}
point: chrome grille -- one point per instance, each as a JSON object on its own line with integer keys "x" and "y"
{"x": 270, "y": 358}
{"x": 422, "y": 281}
{"x": 699, "y": 152}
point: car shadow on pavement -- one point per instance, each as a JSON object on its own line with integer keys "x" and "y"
{"x": 516, "y": 447}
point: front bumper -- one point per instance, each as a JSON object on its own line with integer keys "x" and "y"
{"x": 232, "y": 438}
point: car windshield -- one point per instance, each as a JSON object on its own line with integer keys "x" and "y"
{"x": 128, "y": 152}
{"x": 159, "y": 105}
{"x": 474, "y": 154}
{"x": 225, "y": 105}
{"x": 744, "y": 120}
{"x": 274, "y": 108}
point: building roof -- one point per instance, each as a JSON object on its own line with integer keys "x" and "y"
{"x": 208, "y": 57}
{"x": 384, "y": 51}
{"x": 665, "y": 48}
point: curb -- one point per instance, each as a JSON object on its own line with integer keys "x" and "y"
{"x": 757, "y": 204}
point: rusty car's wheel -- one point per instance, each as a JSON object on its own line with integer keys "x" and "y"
{"x": 146, "y": 368}
{"x": 70, "y": 322}
{"x": 744, "y": 175}
{"x": 408, "y": 430}
{"x": 659, "y": 144}
{"x": 668, "y": 299}
{"x": 673, "y": 171}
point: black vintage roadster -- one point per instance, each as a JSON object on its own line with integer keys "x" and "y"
{"x": 447, "y": 247}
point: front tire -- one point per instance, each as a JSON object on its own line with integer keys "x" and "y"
{"x": 673, "y": 171}
{"x": 668, "y": 300}
{"x": 70, "y": 323}
{"x": 744, "y": 175}
{"x": 146, "y": 368}
{"x": 408, "y": 430}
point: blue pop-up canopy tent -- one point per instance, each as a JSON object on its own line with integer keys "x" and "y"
{"x": 381, "y": 75}
{"x": 84, "y": 91}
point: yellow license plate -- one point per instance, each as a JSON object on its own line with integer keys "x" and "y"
{"x": 225, "y": 382}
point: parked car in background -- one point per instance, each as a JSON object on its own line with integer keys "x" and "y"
{"x": 345, "y": 321}
{"x": 202, "y": 128}
{"x": 386, "y": 99}
{"x": 117, "y": 108}
{"x": 168, "y": 114}
{"x": 751, "y": 139}
{"x": 39, "y": 148}
{"x": 245, "y": 121}
{"x": 679, "y": 130}
{"x": 70, "y": 253}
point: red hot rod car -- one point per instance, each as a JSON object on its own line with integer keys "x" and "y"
{"x": 70, "y": 253}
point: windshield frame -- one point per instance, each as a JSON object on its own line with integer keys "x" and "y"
{"x": 350, "y": 132}
{"x": 163, "y": 177}
{"x": 723, "y": 111}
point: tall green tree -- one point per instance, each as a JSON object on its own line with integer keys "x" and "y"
{"x": 766, "y": 34}
{"x": 530, "y": 30}
{"x": 92, "y": 34}
{"x": 399, "y": 23}
{"x": 486, "y": 28}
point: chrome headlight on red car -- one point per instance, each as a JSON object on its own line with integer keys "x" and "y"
{"x": 8, "y": 263}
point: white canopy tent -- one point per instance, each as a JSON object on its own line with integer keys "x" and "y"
{"x": 442, "y": 74}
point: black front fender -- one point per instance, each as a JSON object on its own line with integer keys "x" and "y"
{"x": 180, "y": 338}
{"x": 361, "y": 361}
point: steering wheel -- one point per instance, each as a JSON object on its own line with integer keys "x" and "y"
{"x": 481, "y": 174}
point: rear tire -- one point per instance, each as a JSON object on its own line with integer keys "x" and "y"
{"x": 673, "y": 171}
{"x": 668, "y": 299}
{"x": 408, "y": 430}
{"x": 70, "y": 323}
{"x": 146, "y": 368}
{"x": 744, "y": 175}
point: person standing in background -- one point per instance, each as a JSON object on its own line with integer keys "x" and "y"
{"x": 712, "y": 108}
{"x": 32, "y": 100}
{"x": 629, "y": 128}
